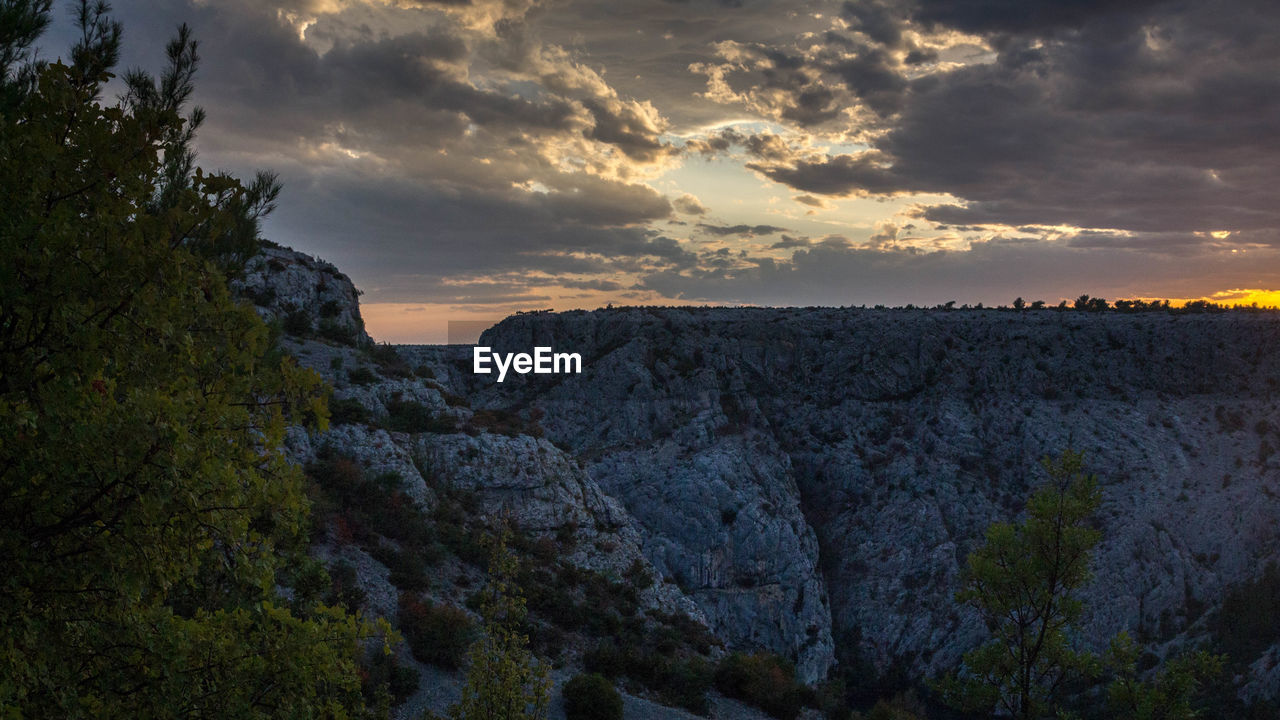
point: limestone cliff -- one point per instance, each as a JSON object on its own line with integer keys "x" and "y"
{"x": 810, "y": 481}
{"x": 810, "y": 474}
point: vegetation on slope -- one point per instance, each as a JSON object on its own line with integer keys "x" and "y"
{"x": 149, "y": 512}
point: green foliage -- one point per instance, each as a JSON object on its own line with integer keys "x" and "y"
{"x": 344, "y": 587}
{"x": 408, "y": 568}
{"x": 336, "y": 332}
{"x": 389, "y": 361}
{"x": 297, "y": 323}
{"x": 1170, "y": 695}
{"x": 504, "y": 681}
{"x": 361, "y": 376}
{"x": 764, "y": 680}
{"x": 591, "y": 696}
{"x": 149, "y": 509}
{"x": 330, "y": 308}
{"x": 355, "y": 507}
{"x": 436, "y": 634}
{"x": 1022, "y": 582}
{"x": 348, "y": 411}
{"x": 414, "y": 417}
{"x": 385, "y": 680}
{"x": 678, "y": 681}
{"x": 1091, "y": 304}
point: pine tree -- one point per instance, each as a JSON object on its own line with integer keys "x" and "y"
{"x": 148, "y": 506}
{"x": 1022, "y": 583}
{"x": 504, "y": 681}
{"x": 1169, "y": 694}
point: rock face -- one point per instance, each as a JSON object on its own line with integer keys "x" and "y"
{"x": 528, "y": 480}
{"x": 810, "y": 481}
{"x": 817, "y": 474}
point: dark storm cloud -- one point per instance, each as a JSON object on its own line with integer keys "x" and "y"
{"x": 408, "y": 167}
{"x": 1158, "y": 242}
{"x": 742, "y": 230}
{"x": 623, "y": 128}
{"x": 789, "y": 242}
{"x": 873, "y": 76}
{"x": 876, "y": 20}
{"x": 838, "y": 175}
{"x": 410, "y": 239}
{"x": 1145, "y": 116}
{"x": 1025, "y": 16}
{"x": 268, "y": 86}
{"x": 605, "y": 203}
{"x": 811, "y": 88}
{"x": 601, "y": 285}
{"x": 404, "y": 68}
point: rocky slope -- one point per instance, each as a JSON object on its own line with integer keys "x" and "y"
{"x": 505, "y": 471}
{"x": 809, "y": 481}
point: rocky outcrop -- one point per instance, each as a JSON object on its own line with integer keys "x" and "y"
{"x": 307, "y": 296}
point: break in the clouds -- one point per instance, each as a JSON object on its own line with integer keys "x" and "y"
{"x": 506, "y": 154}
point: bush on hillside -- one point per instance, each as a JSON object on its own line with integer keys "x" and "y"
{"x": 436, "y": 634}
{"x": 591, "y": 696}
{"x": 763, "y": 680}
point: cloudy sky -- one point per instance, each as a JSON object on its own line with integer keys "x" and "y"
{"x": 462, "y": 159}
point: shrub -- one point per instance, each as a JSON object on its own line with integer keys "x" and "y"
{"x": 638, "y": 576}
{"x": 685, "y": 684}
{"x": 763, "y": 680}
{"x": 297, "y": 323}
{"x": 436, "y": 634}
{"x": 345, "y": 589}
{"x": 361, "y": 376}
{"x": 309, "y": 581}
{"x": 408, "y": 569}
{"x": 374, "y": 503}
{"x": 389, "y": 361}
{"x": 330, "y": 309}
{"x": 591, "y": 697}
{"x": 347, "y": 411}
{"x": 262, "y": 297}
{"x": 413, "y": 417}
{"x": 333, "y": 331}
{"x": 682, "y": 683}
{"x": 383, "y": 674}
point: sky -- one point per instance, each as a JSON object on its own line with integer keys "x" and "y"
{"x": 465, "y": 159}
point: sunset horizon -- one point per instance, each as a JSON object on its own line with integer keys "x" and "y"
{"x": 467, "y": 160}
